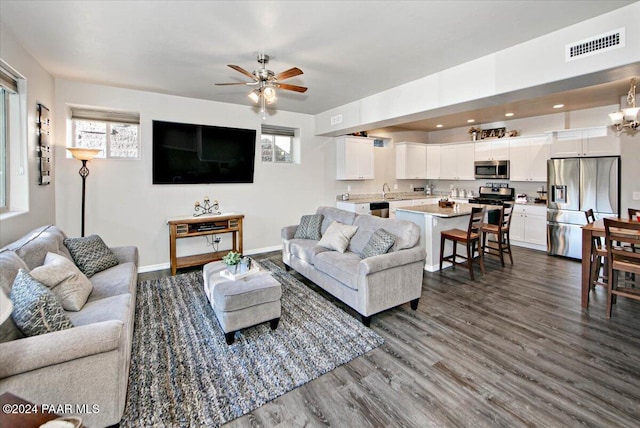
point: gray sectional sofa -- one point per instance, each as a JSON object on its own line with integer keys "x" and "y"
{"x": 87, "y": 364}
{"x": 368, "y": 285}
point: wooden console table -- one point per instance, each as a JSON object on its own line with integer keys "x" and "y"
{"x": 187, "y": 227}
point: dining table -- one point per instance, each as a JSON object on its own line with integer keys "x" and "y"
{"x": 590, "y": 231}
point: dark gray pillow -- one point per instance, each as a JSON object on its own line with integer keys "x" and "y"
{"x": 379, "y": 243}
{"x": 36, "y": 309}
{"x": 91, "y": 254}
{"x": 309, "y": 227}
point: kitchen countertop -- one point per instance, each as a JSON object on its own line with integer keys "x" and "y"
{"x": 388, "y": 199}
{"x": 437, "y": 211}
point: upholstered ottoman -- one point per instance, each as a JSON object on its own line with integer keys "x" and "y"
{"x": 244, "y": 302}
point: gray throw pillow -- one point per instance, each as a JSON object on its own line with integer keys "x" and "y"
{"x": 337, "y": 236}
{"x": 379, "y": 243}
{"x": 91, "y": 254}
{"x": 71, "y": 286}
{"x": 309, "y": 227}
{"x": 36, "y": 309}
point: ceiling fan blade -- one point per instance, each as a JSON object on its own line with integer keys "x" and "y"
{"x": 243, "y": 71}
{"x": 295, "y": 88}
{"x": 294, "y": 71}
{"x": 237, "y": 83}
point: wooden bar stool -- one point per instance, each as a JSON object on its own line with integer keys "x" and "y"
{"x": 501, "y": 244}
{"x": 621, "y": 239}
{"x": 598, "y": 257}
{"x": 470, "y": 238}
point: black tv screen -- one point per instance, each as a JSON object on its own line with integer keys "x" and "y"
{"x": 194, "y": 154}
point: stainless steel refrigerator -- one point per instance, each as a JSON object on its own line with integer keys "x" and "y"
{"x": 575, "y": 185}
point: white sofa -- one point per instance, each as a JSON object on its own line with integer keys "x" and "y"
{"x": 368, "y": 285}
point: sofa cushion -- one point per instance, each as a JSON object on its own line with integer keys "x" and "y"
{"x": 335, "y": 214}
{"x": 36, "y": 309}
{"x": 309, "y": 227}
{"x": 10, "y": 264}
{"x": 379, "y": 243}
{"x": 406, "y": 233}
{"x": 109, "y": 308}
{"x": 71, "y": 286}
{"x": 305, "y": 249}
{"x": 337, "y": 236}
{"x": 340, "y": 266}
{"x": 91, "y": 254}
{"x": 120, "y": 279}
{"x": 34, "y": 246}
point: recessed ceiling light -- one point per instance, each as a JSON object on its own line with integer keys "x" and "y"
{"x": 558, "y": 106}
{"x": 471, "y": 120}
{"x": 439, "y": 125}
{"x": 508, "y": 114}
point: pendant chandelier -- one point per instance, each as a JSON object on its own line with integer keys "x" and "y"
{"x": 627, "y": 117}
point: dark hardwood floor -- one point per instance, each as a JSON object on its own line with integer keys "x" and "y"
{"x": 514, "y": 348}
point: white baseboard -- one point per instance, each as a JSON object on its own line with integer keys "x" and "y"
{"x": 162, "y": 266}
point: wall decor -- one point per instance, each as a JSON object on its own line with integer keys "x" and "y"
{"x": 493, "y": 133}
{"x": 44, "y": 141}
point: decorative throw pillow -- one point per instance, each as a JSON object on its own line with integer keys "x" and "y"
{"x": 337, "y": 236}
{"x": 379, "y": 243}
{"x": 91, "y": 254}
{"x": 36, "y": 309}
{"x": 309, "y": 227}
{"x": 71, "y": 286}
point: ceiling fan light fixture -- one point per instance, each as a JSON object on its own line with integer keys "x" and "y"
{"x": 270, "y": 94}
{"x": 627, "y": 117}
{"x": 255, "y": 95}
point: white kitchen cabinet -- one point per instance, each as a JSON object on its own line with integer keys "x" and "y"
{"x": 353, "y": 207}
{"x": 528, "y": 158}
{"x": 599, "y": 141}
{"x": 456, "y": 161}
{"x": 433, "y": 161}
{"x": 411, "y": 160}
{"x": 488, "y": 150}
{"x": 529, "y": 226}
{"x": 354, "y": 158}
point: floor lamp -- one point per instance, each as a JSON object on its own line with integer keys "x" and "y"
{"x": 83, "y": 155}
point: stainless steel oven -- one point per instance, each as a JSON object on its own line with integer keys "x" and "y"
{"x": 492, "y": 169}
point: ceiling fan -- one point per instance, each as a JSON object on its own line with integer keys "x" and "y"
{"x": 266, "y": 81}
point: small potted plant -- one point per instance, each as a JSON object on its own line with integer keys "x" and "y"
{"x": 232, "y": 260}
{"x": 473, "y": 131}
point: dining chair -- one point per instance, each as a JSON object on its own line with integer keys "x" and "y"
{"x": 598, "y": 257}
{"x": 633, "y": 213}
{"x": 620, "y": 237}
{"x": 496, "y": 237}
{"x": 470, "y": 238}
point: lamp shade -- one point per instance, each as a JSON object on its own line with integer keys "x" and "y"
{"x": 82, "y": 153}
{"x": 6, "y": 307}
{"x": 631, "y": 114}
{"x": 616, "y": 118}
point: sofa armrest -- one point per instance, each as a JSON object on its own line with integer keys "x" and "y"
{"x": 31, "y": 353}
{"x": 288, "y": 232}
{"x": 390, "y": 260}
{"x": 126, "y": 254}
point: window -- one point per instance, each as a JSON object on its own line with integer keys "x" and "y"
{"x": 277, "y": 144}
{"x": 8, "y": 124}
{"x": 116, "y": 133}
{"x": 4, "y": 100}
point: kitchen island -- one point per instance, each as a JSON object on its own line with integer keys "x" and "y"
{"x": 432, "y": 220}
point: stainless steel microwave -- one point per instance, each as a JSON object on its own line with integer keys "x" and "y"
{"x": 492, "y": 169}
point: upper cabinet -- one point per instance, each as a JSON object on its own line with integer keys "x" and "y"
{"x": 433, "y": 161}
{"x": 411, "y": 160}
{"x": 354, "y": 158}
{"x": 488, "y": 150}
{"x": 529, "y": 157}
{"x": 600, "y": 141}
{"x": 456, "y": 161}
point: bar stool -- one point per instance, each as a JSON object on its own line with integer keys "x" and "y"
{"x": 598, "y": 257}
{"x": 501, "y": 245}
{"x": 470, "y": 238}
{"x": 621, "y": 237}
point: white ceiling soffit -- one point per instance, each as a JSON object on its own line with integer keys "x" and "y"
{"x": 348, "y": 50}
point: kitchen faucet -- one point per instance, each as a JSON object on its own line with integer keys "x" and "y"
{"x": 383, "y": 192}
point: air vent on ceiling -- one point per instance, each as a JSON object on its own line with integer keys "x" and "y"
{"x": 595, "y": 45}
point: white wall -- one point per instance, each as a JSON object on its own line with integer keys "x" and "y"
{"x": 39, "y": 208}
{"x": 126, "y": 209}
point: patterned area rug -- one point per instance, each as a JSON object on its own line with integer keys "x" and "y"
{"x": 184, "y": 374}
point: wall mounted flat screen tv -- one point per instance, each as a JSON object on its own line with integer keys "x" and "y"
{"x": 195, "y": 154}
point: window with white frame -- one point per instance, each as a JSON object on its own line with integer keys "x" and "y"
{"x": 277, "y": 144}
{"x": 115, "y": 133}
{"x": 8, "y": 100}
